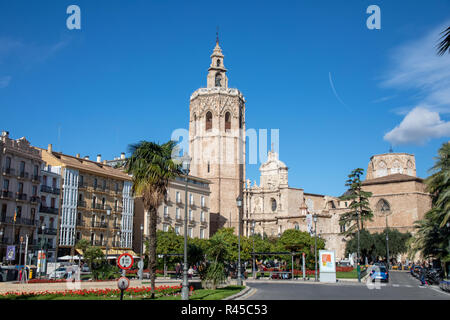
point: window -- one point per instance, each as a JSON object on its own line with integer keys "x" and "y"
{"x": 8, "y": 163}
{"x": 45, "y": 181}
{"x": 81, "y": 180}
{"x": 178, "y": 213}
{"x": 95, "y": 183}
{"x": 22, "y": 168}
{"x": 52, "y": 202}
{"x": 94, "y": 201}
{"x": 218, "y": 79}
{"x": 20, "y": 188}
{"x": 202, "y": 216}
{"x": 103, "y": 203}
{"x": 36, "y": 170}
{"x": 190, "y": 215}
{"x": 116, "y": 204}
{"x": 296, "y": 226}
{"x": 227, "y": 121}
{"x": 208, "y": 167}
{"x": 34, "y": 191}
{"x": 190, "y": 232}
{"x": 165, "y": 227}
{"x": 6, "y": 185}
{"x": 178, "y": 197}
{"x": 104, "y": 184}
{"x": 208, "y": 121}
{"x": 4, "y": 209}
{"x": 195, "y": 124}
{"x": 33, "y": 214}
{"x": 177, "y": 230}
{"x": 191, "y": 199}
{"x": 203, "y": 201}
{"x": 273, "y": 204}
{"x": 202, "y": 233}
{"x": 116, "y": 186}
{"x": 54, "y": 182}
{"x": 19, "y": 211}
{"x": 383, "y": 207}
{"x": 166, "y": 211}
{"x": 218, "y": 63}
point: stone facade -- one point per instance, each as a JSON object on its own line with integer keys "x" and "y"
{"x": 172, "y": 212}
{"x": 217, "y": 142}
{"x": 20, "y": 179}
{"x": 398, "y": 200}
{"x": 96, "y": 203}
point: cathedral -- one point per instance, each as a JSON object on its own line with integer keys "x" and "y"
{"x": 217, "y": 148}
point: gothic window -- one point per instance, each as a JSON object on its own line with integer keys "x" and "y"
{"x": 383, "y": 207}
{"x": 396, "y": 167}
{"x": 240, "y": 118}
{"x": 218, "y": 80}
{"x": 218, "y": 62}
{"x": 382, "y": 169}
{"x": 195, "y": 124}
{"x": 273, "y": 203}
{"x": 208, "y": 120}
{"x": 227, "y": 121}
{"x": 296, "y": 226}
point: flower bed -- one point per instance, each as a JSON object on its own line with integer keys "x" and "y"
{"x": 135, "y": 291}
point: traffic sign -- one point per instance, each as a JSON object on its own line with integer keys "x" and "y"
{"x": 123, "y": 283}
{"x": 125, "y": 261}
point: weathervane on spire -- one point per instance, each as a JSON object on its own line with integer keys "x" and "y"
{"x": 217, "y": 34}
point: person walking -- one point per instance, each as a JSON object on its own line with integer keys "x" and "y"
{"x": 423, "y": 272}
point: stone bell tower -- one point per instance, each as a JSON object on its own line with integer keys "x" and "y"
{"x": 217, "y": 142}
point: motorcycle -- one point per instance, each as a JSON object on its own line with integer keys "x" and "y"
{"x": 434, "y": 276}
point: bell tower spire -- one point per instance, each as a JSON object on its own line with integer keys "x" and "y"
{"x": 217, "y": 72}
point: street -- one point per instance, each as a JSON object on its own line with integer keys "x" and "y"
{"x": 402, "y": 286}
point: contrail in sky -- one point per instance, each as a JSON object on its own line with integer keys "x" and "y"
{"x": 335, "y": 93}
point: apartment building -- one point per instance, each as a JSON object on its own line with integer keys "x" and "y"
{"x": 96, "y": 203}
{"x": 171, "y": 213}
{"x": 49, "y": 208}
{"x": 19, "y": 198}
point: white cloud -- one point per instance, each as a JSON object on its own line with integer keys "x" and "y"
{"x": 4, "y": 81}
{"x": 419, "y": 126}
{"x": 425, "y": 76}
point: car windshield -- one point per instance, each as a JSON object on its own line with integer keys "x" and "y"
{"x": 61, "y": 269}
{"x": 382, "y": 269}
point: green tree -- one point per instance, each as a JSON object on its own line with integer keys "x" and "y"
{"x": 168, "y": 242}
{"x": 359, "y": 210}
{"x": 95, "y": 258}
{"x": 432, "y": 237}
{"x": 151, "y": 166}
{"x": 444, "y": 45}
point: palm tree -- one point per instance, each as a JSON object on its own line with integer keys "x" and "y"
{"x": 151, "y": 166}
{"x": 444, "y": 45}
{"x": 432, "y": 237}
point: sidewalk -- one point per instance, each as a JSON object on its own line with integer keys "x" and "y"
{"x": 60, "y": 286}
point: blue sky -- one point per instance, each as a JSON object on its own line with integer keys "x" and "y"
{"x": 337, "y": 91}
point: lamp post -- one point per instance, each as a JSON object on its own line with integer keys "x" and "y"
{"x": 253, "y": 238}
{"x": 239, "y": 205}
{"x": 385, "y": 211}
{"x": 315, "y": 246}
{"x": 42, "y": 248}
{"x": 1, "y": 238}
{"x": 108, "y": 214}
{"x": 186, "y": 162}
{"x": 142, "y": 241}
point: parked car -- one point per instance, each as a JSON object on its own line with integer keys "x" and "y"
{"x": 344, "y": 263}
{"x": 379, "y": 273}
{"x": 8, "y": 273}
{"x": 59, "y": 273}
{"x": 85, "y": 268}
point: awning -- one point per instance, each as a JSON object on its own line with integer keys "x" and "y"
{"x": 113, "y": 253}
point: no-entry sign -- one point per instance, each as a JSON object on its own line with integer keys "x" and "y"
{"x": 125, "y": 261}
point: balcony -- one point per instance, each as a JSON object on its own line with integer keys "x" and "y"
{"x": 82, "y": 185}
{"x": 117, "y": 209}
{"x": 81, "y": 204}
{"x": 5, "y": 194}
{"x": 167, "y": 218}
{"x": 192, "y": 222}
{"x": 99, "y": 206}
{"x": 21, "y": 196}
{"x": 46, "y": 189}
{"x": 34, "y": 199}
{"x": 48, "y": 231}
{"x": 23, "y": 175}
{"x": 8, "y": 171}
{"x": 19, "y": 220}
{"x": 98, "y": 243}
{"x": 103, "y": 225}
{"x": 50, "y": 210}
{"x": 36, "y": 178}
{"x": 116, "y": 226}
{"x": 116, "y": 244}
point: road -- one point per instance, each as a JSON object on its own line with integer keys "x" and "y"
{"x": 402, "y": 286}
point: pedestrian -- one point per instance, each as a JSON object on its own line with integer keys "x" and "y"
{"x": 423, "y": 272}
{"x": 177, "y": 270}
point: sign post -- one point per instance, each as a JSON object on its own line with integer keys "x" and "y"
{"x": 303, "y": 266}
{"x": 124, "y": 262}
{"x": 327, "y": 269}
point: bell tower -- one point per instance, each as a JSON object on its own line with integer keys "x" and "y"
{"x": 217, "y": 142}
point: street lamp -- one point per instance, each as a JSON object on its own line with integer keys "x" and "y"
{"x": 385, "y": 209}
{"x": 239, "y": 205}
{"x": 42, "y": 249}
{"x": 253, "y": 238}
{"x": 142, "y": 241}
{"x": 315, "y": 246}
{"x": 186, "y": 163}
{"x": 108, "y": 214}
